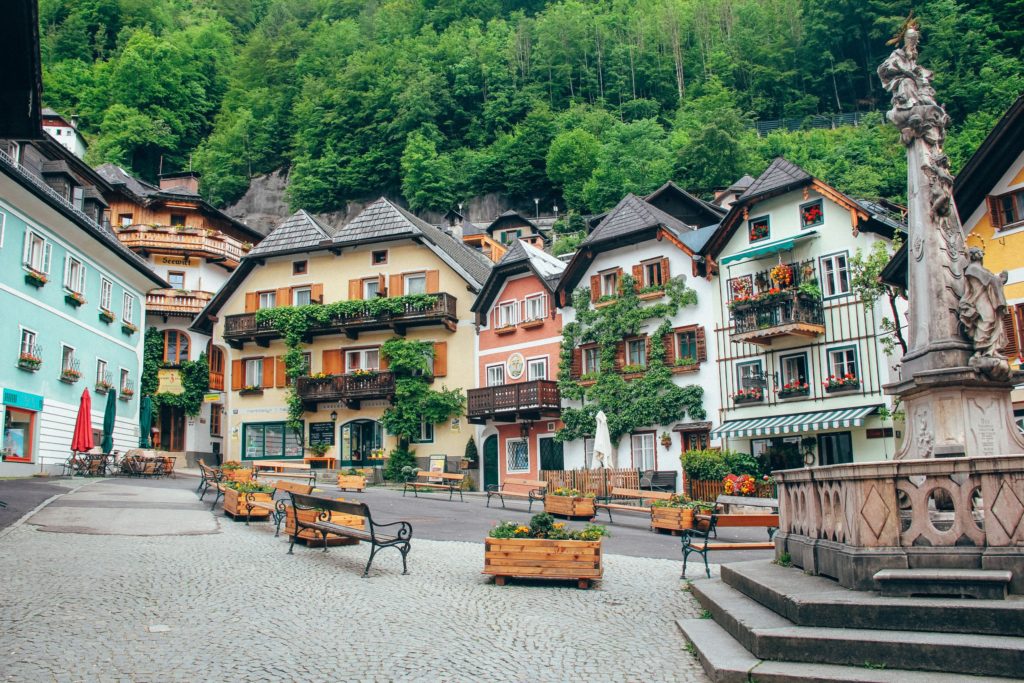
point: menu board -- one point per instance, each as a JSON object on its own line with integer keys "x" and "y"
{"x": 321, "y": 433}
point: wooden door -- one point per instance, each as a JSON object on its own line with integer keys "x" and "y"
{"x": 491, "y": 461}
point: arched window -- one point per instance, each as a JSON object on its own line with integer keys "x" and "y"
{"x": 175, "y": 347}
{"x": 216, "y": 361}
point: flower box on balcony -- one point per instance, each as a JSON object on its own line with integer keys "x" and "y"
{"x": 74, "y": 299}
{"x": 70, "y": 376}
{"x": 128, "y": 328}
{"x": 744, "y": 396}
{"x": 794, "y": 389}
{"x": 106, "y": 316}
{"x": 251, "y": 391}
{"x": 34, "y": 277}
{"x": 126, "y": 395}
{"x": 835, "y": 385}
{"x": 507, "y": 329}
{"x": 530, "y": 324}
{"x": 28, "y": 362}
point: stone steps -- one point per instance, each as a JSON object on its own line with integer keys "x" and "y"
{"x": 768, "y": 635}
{"x": 727, "y": 661}
{"x": 816, "y": 601}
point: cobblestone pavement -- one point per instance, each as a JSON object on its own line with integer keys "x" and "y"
{"x": 233, "y": 605}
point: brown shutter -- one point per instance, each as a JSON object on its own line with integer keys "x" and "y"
{"x": 382, "y": 284}
{"x": 619, "y": 273}
{"x": 252, "y": 301}
{"x": 1012, "y": 348}
{"x": 595, "y": 288}
{"x": 283, "y": 297}
{"x": 355, "y": 289}
{"x": 620, "y": 354}
{"x": 995, "y": 212}
{"x": 268, "y": 372}
{"x": 395, "y": 286}
{"x": 1018, "y": 316}
{"x": 281, "y": 373}
{"x": 702, "y": 345}
{"x": 669, "y": 341}
{"x": 440, "y": 359}
{"x": 638, "y": 277}
{"x": 331, "y": 362}
{"x": 382, "y": 362}
{"x": 237, "y": 375}
{"x": 316, "y": 293}
{"x": 664, "y": 270}
{"x": 576, "y": 368}
{"x": 433, "y": 284}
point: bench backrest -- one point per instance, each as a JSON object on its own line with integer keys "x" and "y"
{"x": 518, "y": 483}
{"x": 282, "y": 465}
{"x": 347, "y": 507}
{"x": 636, "y": 493}
{"x": 440, "y": 475}
{"x": 292, "y": 487}
{"x": 207, "y": 472}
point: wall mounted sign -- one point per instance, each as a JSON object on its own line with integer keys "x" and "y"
{"x": 211, "y": 398}
{"x": 179, "y": 261}
{"x": 170, "y": 381}
{"x": 515, "y": 365}
{"x": 321, "y": 433}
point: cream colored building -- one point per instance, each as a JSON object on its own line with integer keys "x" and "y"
{"x": 384, "y": 252}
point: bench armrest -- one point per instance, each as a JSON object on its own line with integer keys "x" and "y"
{"x": 493, "y": 488}
{"x": 404, "y": 531}
{"x": 537, "y": 494}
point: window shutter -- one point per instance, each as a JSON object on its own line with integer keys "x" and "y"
{"x": 27, "y": 249}
{"x": 81, "y": 279}
{"x": 595, "y": 288}
{"x": 355, "y": 289}
{"x": 702, "y": 346}
{"x": 433, "y": 284}
{"x": 1012, "y": 347}
{"x": 67, "y": 273}
{"x": 282, "y": 374}
{"x": 316, "y": 293}
{"x": 638, "y": 277}
{"x": 669, "y": 341}
{"x": 994, "y": 211}
{"x": 440, "y": 359}
{"x": 283, "y": 296}
{"x": 47, "y": 255}
{"x": 576, "y": 369}
{"x": 382, "y": 285}
{"x": 664, "y": 270}
{"x": 618, "y": 276}
{"x": 252, "y": 302}
{"x": 620, "y": 354}
{"x": 237, "y": 375}
{"x": 382, "y": 362}
{"x": 331, "y": 362}
{"x": 395, "y": 286}
{"x": 268, "y": 372}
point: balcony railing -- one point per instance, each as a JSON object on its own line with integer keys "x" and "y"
{"x": 350, "y": 388}
{"x": 790, "y": 313}
{"x": 216, "y": 381}
{"x": 209, "y": 244}
{"x": 511, "y": 402}
{"x": 244, "y": 327}
{"x": 177, "y": 302}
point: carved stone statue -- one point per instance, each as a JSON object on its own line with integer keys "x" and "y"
{"x": 914, "y": 109}
{"x": 981, "y": 312}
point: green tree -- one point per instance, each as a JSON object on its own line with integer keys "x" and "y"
{"x": 634, "y": 158}
{"x": 572, "y": 158}
{"x": 427, "y": 177}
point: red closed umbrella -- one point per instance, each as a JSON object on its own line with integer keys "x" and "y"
{"x": 82, "y": 441}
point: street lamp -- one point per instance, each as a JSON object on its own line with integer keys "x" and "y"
{"x": 334, "y": 416}
{"x": 536, "y": 205}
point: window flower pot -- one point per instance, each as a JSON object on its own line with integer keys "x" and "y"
{"x": 545, "y": 558}
{"x": 129, "y": 328}
{"x": 70, "y": 376}
{"x": 530, "y": 324}
{"x": 29, "y": 363}
{"x": 251, "y": 391}
{"x": 74, "y": 299}
{"x": 681, "y": 368}
{"x": 126, "y": 395}
{"x": 671, "y": 519}
{"x": 836, "y": 385}
{"x": 35, "y": 278}
{"x": 507, "y": 329}
{"x": 106, "y": 316}
{"x": 748, "y": 397}
{"x": 651, "y": 295}
{"x": 103, "y": 387}
{"x": 794, "y": 392}
{"x": 569, "y": 506}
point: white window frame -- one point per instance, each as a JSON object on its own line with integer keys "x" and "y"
{"x": 500, "y": 368}
{"x": 106, "y": 293}
{"x": 3, "y": 228}
{"x": 65, "y": 357}
{"x": 531, "y": 363}
{"x": 411, "y": 277}
{"x": 644, "y": 450}
{"x": 368, "y": 283}
{"x": 507, "y": 313}
{"x": 609, "y": 283}
{"x": 535, "y": 307}
{"x": 101, "y": 370}
{"x": 783, "y": 359}
{"x": 588, "y": 452}
{"x": 77, "y": 196}
{"x": 126, "y": 219}
{"x": 656, "y": 264}
{"x": 300, "y": 290}
{"x": 176, "y": 272}
{"x": 368, "y": 359}
{"x": 128, "y": 308}
{"x": 508, "y": 455}
{"x": 267, "y": 299}
{"x": 846, "y": 361}
{"x": 252, "y": 363}
{"x": 426, "y": 433}
{"x": 742, "y": 371}
{"x": 45, "y": 252}
{"x": 74, "y": 282}
{"x": 629, "y": 351}
{"x": 597, "y": 359}
{"x": 124, "y": 376}
{"x": 28, "y": 340}
{"x": 830, "y": 280}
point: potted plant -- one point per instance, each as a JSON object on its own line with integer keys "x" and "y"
{"x": 351, "y": 479}
{"x": 234, "y": 471}
{"x": 666, "y": 440}
{"x": 685, "y": 364}
{"x": 674, "y": 514}
{"x": 34, "y": 277}
{"x": 251, "y": 390}
{"x": 70, "y": 375}
{"x": 237, "y": 493}
{"x": 753, "y": 395}
{"x": 126, "y": 393}
{"x": 794, "y": 388}
{"x": 74, "y": 299}
{"x": 847, "y": 382}
{"x": 106, "y": 316}
{"x": 742, "y": 485}
{"x": 29, "y": 361}
{"x": 544, "y": 549}
{"x": 567, "y": 502}
{"x": 103, "y": 386}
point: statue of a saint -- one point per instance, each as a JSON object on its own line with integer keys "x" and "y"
{"x": 981, "y": 310}
{"x": 914, "y": 109}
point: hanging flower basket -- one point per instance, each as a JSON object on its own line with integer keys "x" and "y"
{"x": 781, "y": 275}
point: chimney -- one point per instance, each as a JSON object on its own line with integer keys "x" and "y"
{"x": 182, "y": 181}
{"x": 456, "y": 230}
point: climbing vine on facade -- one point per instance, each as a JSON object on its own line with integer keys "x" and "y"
{"x": 415, "y": 403}
{"x": 651, "y": 398}
{"x": 195, "y": 376}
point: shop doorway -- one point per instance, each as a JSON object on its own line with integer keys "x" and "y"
{"x": 491, "y": 461}
{"x": 19, "y": 433}
{"x": 172, "y": 429}
{"x": 359, "y": 438}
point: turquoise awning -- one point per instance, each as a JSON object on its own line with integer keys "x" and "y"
{"x": 769, "y": 248}
{"x": 795, "y": 424}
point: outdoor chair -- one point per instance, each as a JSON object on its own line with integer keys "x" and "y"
{"x": 703, "y": 528}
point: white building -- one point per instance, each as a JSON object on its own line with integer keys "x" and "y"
{"x": 64, "y": 132}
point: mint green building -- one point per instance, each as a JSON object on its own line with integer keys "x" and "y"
{"x": 72, "y": 305}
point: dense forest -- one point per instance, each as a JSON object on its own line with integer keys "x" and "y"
{"x": 575, "y": 101}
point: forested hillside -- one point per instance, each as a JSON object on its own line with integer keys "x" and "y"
{"x": 576, "y": 101}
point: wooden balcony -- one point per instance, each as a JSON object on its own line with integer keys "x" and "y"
{"x": 514, "y": 402}
{"x": 243, "y": 327}
{"x": 791, "y": 314}
{"x": 208, "y": 244}
{"x": 177, "y": 302}
{"x": 348, "y": 388}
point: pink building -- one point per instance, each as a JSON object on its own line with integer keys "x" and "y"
{"x": 518, "y": 353}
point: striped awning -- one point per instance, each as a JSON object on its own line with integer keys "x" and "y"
{"x": 768, "y": 248}
{"x": 795, "y": 424}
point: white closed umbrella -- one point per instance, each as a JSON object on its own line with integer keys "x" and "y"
{"x": 603, "y": 442}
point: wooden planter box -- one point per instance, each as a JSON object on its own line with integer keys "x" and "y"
{"x": 541, "y": 558}
{"x": 567, "y": 506}
{"x": 238, "y": 475}
{"x": 671, "y": 519}
{"x": 234, "y": 504}
{"x": 314, "y": 539}
{"x": 356, "y": 482}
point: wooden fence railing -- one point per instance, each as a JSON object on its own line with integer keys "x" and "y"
{"x": 598, "y": 481}
{"x": 709, "y": 490}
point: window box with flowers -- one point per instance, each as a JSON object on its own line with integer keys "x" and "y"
{"x": 633, "y": 370}
{"x": 651, "y": 292}
{"x": 688, "y": 364}
{"x": 35, "y": 278}
{"x": 571, "y": 503}
{"x": 506, "y": 329}
{"x": 29, "y": 361}
{"x": 530, "y": 324}
{"x": 540, "y": 549}
{"x": 748, "y": 396}
{"x": 812, "y": 214}
{"x": 251, "y": 390}
{"x": 74, "y": 299}
{"x": 70, "y": 375}
{"x": 107, "y": 316}
{"x": 128, "y": 328}
{"x": 759, "y": 229}
{"x": 103, "y": 386}
{"x": 794, "y": 389}
{"x": 126, "y": 394}
{"x": 835, "y": 384}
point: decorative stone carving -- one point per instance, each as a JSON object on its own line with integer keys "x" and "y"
{"x": 981, "y": 310}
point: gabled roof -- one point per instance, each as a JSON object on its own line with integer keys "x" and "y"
{"x": 520, "y": 258}
{"x": 991, "y": 160}
{"x": 469, "y": 229}
{"x": 781, "y": 175}
{"x": 299, "y": 232}
{"x": 713, "y": 212}
{"x": 510, "y": 216}
{"x": 741, "y": 184}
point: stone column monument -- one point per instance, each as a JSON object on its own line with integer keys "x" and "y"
{"x": 956, "y": 384}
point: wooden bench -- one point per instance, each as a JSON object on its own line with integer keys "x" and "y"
{"x": 658, "y": 480}
{"x": 704, "y": 527}
{"x": 212, "y": 478}
{"x": 295, "y": 470}
{"x": 626, "y": 495}
{"x": 518, "y": 487}
{"x": 275, "y": 507}
{"x": 725, "y": 503}
{"x": 371, "y": 533}
{"x": 451, "y": 483}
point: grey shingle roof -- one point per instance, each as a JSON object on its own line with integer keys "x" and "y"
{"x": 779, "y": 174}
{"x": 299, "y": 231}
{"x": 115, "y": 175}
{"x": 471, "y": 229}
{"x": 741, "y": 184}
{"x": 632, "y": 215}
{"x": 670, "y": 186}
{"x": 696, "y": 239}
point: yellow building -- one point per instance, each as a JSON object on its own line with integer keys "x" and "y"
{"x": 384, "y": 252}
